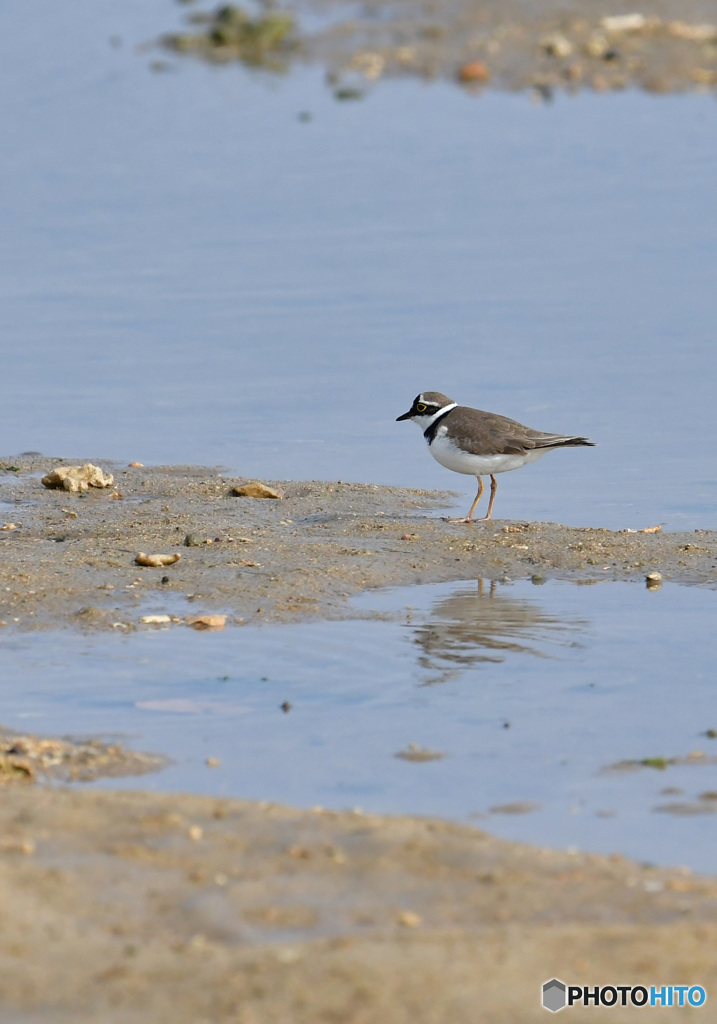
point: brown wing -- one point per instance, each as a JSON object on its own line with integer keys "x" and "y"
{"x": 487, "y": 433}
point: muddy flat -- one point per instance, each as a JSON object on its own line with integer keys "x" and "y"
{"x": 70, "y": 559}
{"x": 662, "y": 46}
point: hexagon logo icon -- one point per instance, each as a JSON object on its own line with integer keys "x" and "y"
{"x": 554, "y": 998}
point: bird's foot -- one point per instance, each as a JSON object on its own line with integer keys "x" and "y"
{"x": 469, "y": 519}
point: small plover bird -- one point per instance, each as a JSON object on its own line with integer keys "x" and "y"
{"x": 480, "y": 443}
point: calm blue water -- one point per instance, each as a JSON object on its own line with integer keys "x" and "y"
{"x": 191, "y": 274}
{"x": 529, "y": 692}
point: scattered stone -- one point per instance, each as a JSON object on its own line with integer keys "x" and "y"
{"x": 619, "y": 23}
{"x": 651, "y": 529}
{"x": 194, "y": 540}
{"x": 370, "y": 64}
{"x": 156, "y": 620}
{"x": 556, "y": 44}
{"x": 207, "y": 622}
{"x": 15, "y": 768}
{"x": 156, "y": 561}
{"x": 256, "y": 489}
{"x": 597, "y": 45}
{"x": 474, "y": 73}
{"x": 77, "y": 478}
{"x": 517, "y": 807}
{"x": 695, "y": 33}
{"x": 135, "y": 465}
{"x": 408, "y": 919}
{"x": 653, "y": 580}
{"x": 91, "y": 614}
{"x": 25, "y": 758}
{"x": 419, "y": 754}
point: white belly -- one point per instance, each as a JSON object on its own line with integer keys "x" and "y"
{"x": 449, "y": 455}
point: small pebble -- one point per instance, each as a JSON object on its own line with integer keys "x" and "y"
{"x": 408, "y": 919}
{"x": 475, "y": 72}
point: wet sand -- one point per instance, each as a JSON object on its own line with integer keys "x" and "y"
{"x": 70, "y": 559}
{"x": 148, "y": 908}
{"x": 156, "y": 909}
{"x": 662, "y": 46}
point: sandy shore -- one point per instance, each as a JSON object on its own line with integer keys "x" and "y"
{"x": 70, "y": 559}
{"x": 136, "y": 908}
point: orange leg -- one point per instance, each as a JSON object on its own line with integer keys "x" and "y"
{"x": 493, "y": 489}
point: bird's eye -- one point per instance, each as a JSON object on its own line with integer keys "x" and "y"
{"x": 421, "y": 407}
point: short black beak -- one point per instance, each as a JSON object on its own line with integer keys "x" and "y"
{"x": 406, "y": 416}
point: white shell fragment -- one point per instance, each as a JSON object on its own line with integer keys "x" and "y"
{"x": 617, "y": 23}
{"x": 156, "y": 561}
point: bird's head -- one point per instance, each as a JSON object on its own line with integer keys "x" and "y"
{"x": 426, "y": 407}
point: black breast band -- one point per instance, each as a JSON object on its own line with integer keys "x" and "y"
{"x": 430, "y": 433}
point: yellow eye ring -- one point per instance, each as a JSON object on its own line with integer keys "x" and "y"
{"x": 421, "y": 407}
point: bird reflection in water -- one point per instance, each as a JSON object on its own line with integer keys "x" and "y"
{"x": 485, "y": 624}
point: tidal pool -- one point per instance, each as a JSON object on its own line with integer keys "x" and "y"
{"x": 531, "y": 693}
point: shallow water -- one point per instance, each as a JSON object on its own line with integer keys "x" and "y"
{"x": 197, "y": 276}
{"x": 529, "y": 691}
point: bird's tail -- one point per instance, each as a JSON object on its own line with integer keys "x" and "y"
{"x": 565, "y": 442}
